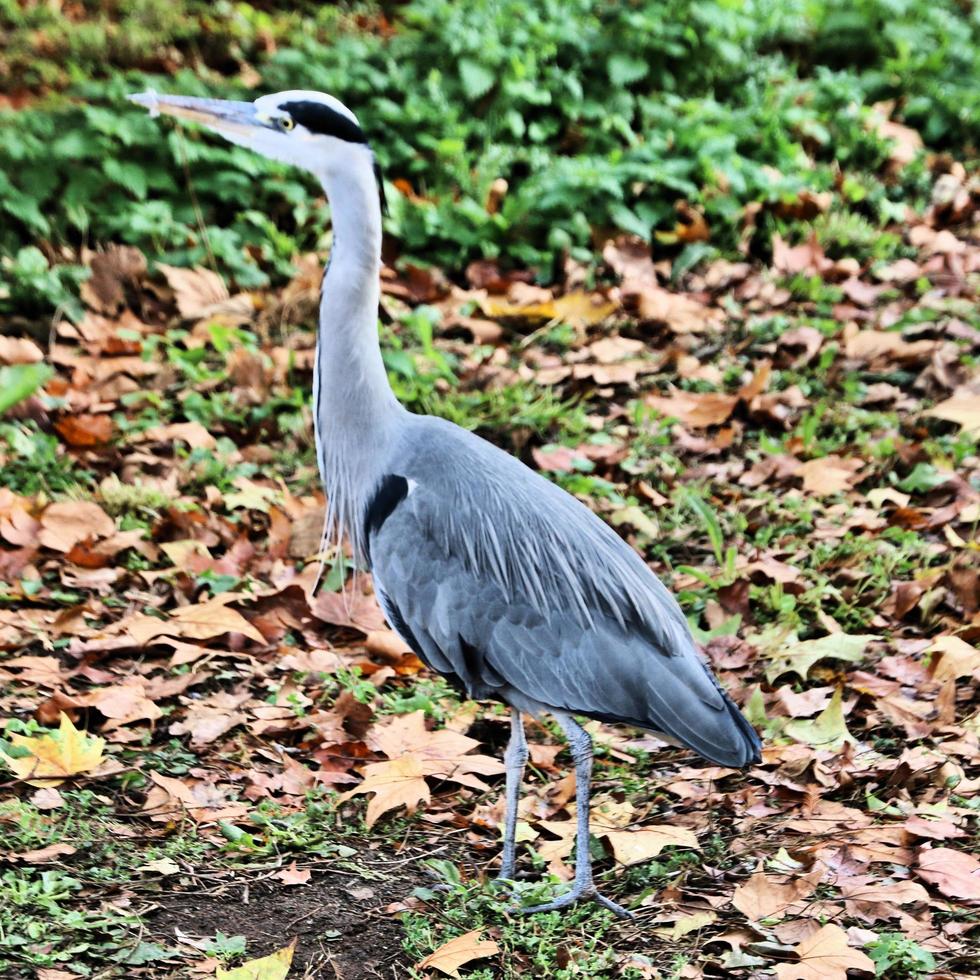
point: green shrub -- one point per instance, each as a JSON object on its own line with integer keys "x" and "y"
{"x": 599, "y": 115}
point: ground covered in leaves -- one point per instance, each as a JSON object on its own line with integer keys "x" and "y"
{"x": 212, "y": 748}
{"x": 251, "y": 760}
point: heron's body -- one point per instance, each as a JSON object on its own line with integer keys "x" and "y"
{"x": 511, "y": 587}
{"x": 496, "y": 578}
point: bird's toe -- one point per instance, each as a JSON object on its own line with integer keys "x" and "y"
{"x": 617, "y": 910}
{"x": 576, "y": 895}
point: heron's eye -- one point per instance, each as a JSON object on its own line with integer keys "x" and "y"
{"x": 286, "y": 123}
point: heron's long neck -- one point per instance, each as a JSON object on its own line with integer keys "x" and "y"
{"x": 354, "y": 407}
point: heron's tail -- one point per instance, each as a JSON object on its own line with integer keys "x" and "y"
{"x": 731, "y": 740}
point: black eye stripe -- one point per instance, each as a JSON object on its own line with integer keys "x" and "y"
{"x": 321, "y": 119}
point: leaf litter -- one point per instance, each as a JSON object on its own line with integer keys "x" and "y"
{"x": 163, "y": 649}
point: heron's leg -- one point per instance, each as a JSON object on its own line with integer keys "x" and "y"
{"x": 580, "y": 743}
{"x": 515, "y": 759}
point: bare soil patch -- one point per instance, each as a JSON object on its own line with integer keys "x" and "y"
{"x": 338, "y": 917}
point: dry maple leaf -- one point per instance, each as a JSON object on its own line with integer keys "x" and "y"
{"x": 47, "y": 798}
{"x": 629, "y": 257}
{"x": 206, "y": 721}
{"x": 958, "y": 659}
{"x": 682, "y": 314}
{"x": 954, "y": 873}
{"x": 84, "y": 430}
{"x": 767, "y": 897}
{"x": 66, "y": 523}
{"x": 196, "y": 291}
{"x": 293, "y": 875}
{"x": 610, "y": 819}
{"x": 17, "y": 350}
{"x": 825, "y": 956}
{"x": 203, "y": 802}
{"x": 193, "y": 433}
{"x": 449, "y": 957}
{"x": 123, "y": 703}
{"x": 400, "y": 782}
{"x": 387, "y": 645}
{"x": 443, "y": 753}
{"x": 44, "y": 855}
{"x": 43, "y": 671}
{"x": 577, "y": 308}
{"x": 415, "y": 753}
{"x": 963, "y": 409}
{"x": 54, "y": 756}
{"x": 806, "y": 257}
{"x": 906, "y": 142}
{"x": 610, "y": 350}
{"x": 113, "y": 270}
{"x": 694, "y": 409}
{"x": 644, "y": 843}
{"x": 200, "y": 621}
{"x": 934, "y": 828}
{"x": 875, "y": 345}
{"x": 868, "y": 898}
{"x": 830, "y": 474}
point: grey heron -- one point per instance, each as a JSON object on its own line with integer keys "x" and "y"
{"x": 495, "y": 577}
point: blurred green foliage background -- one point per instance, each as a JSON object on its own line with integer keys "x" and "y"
{"x": 600, "y": 114}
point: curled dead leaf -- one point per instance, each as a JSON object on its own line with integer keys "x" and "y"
{"x": 66, "y": 523}
{"x": 449, "y": 957}
{"x": 695, "y": 409}
{"x": 82, "y": 431}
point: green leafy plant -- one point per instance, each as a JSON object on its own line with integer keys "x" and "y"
{"x": 895, "y": 956}
{"x": 594, "y": 116}
{"x": 19, "y": 381}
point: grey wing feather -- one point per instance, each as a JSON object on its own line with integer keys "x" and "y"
{"x": 502, "y": 581}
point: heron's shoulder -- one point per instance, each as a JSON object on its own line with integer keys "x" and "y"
{"x": 433, "y": 447}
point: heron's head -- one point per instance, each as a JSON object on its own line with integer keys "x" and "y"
{"x": 310, "y": 130}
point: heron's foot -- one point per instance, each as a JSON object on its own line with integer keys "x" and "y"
{"x": 577, "y": 895}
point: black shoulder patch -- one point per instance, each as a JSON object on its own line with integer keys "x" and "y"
{"x": 320, "y": 118}
{"x": 391, "y": 491}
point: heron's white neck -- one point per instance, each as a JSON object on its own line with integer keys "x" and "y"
{"x": 355, "y": 410}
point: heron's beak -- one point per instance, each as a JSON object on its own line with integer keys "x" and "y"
{"x": 217, "y": 114}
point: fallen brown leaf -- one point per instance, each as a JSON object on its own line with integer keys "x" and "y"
{"x": 196, "y": 290}
{"x": 830, "y": 474}
{"x": 963, "y": 409}
{"x": 200, "y": 621}
{"x": 681, "y": 313}
{"x": 766, "y": 896}
{"x": 19, "y": 350}
{"x": 193, "y": 433}
{"x": 825, "y": 956}
{"x": 954, "y": 873}
{"x": 66, "y": 523}
{"x": 293, "y": 875}
{"x": 694, "y": 409}
{"x": 957, "y": 658}
{"x": 414, "y": 753}
{"x": 449, "y": 957}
